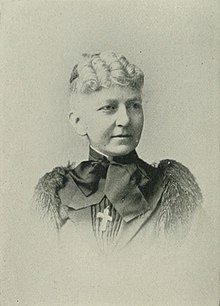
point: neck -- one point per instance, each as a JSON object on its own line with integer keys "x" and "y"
{"x": 108, "y": 157}
{"x": 94, "y": 154}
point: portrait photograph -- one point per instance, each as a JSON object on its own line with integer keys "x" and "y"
{"x": 110, "y": 153}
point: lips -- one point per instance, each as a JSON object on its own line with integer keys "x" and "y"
{"x": 121, "y": 136}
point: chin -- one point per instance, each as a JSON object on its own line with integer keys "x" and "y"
{"x": 122, "y": 150}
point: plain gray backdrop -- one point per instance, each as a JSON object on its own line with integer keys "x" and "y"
{"x": 174, "y": 42}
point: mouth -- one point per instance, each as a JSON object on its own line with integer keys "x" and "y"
{"x": 122, "y": 136}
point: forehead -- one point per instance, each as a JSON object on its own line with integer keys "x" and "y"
{"x": 117, "y": 94}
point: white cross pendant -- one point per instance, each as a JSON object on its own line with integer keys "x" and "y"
{"x": 105, "y": 218}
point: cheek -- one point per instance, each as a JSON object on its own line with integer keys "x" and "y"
{"x": 106, "y": 133}
{"x": 100, "y": 130}
{"x": 138, "y": 122}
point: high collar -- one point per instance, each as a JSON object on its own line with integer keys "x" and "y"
{"x": 123, "y": 159}
{"x": 129, "y": 184}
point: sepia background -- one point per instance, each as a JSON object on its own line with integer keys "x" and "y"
{"x": 174, "y": 42}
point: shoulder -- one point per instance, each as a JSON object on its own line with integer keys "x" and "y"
{"x": 46, "y": 199}
{"x": 178, "y": 179}
{"x": 181, "y": 195}
{"x": 178, "y": 192}
{"x": 173, "y": 174}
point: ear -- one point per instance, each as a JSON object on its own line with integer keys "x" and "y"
{"x": 77, "y": 123}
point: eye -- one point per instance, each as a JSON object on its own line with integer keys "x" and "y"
{"x": 135, "y": 105}
{"x": 107, "y": 108}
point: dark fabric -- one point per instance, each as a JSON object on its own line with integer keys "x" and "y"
{"x": 88, "y": 173}
{"x": 123, "y": 182}
{"x": 156, "y": 201}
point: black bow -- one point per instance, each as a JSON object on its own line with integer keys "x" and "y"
{"x": 120, "y": 180}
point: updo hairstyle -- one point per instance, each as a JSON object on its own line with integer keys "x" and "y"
{"x": 103, "y": 70}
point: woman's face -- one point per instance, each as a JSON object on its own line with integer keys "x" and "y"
{"x": 112, "y": 119}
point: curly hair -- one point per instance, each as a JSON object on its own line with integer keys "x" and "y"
{"x": 103, "y": 70}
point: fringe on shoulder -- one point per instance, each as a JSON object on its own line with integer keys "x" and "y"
{"x": 46, "y": 199}
{"x": 180, "y": 198}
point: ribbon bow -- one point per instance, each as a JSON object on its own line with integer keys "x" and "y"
{"x": 122, "y": 182}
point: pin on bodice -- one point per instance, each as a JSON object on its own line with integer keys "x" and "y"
{"x": 105, "y": 216}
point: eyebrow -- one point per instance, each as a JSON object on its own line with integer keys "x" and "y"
{"x": 127, "y": 101}
{"x": 133, "y": 99}
{"x": 111, "y": 100}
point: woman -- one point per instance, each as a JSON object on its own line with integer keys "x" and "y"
{"x": 115, "y": 200}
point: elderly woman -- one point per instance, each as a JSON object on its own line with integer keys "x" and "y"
{"x": 115, "y": 200}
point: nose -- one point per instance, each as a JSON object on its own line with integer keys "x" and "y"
{"x": 123, "y": 117}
